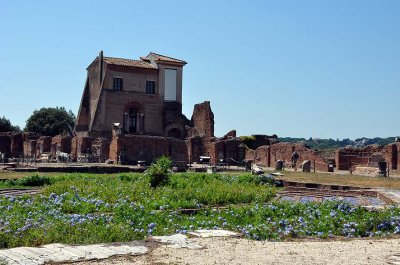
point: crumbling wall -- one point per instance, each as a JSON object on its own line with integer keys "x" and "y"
{"x": 229, "y": 150}
{"x": 194, "y": 149}
{"x": 390, "y": 153}
{"x": 178, "y": 150}
{"x": 132, "y": 148}
{"x": 261, "y": 156}
{"x": 283, "y": 151}
{"x": 17, "y": 145}
{"x": 398, "y": 156}
{"x": 30, "y": 148}
{"x": 101, "y": 149}
{"x": 80, "y": 145}
{"x": 351, "y": 156}
{"x": 203, "y": 119}
{"x": 61, "y": 144}
{"x": 30, "y": 143}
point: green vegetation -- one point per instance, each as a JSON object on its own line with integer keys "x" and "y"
{"x": 159, "y": 172}
{"x": 6, "y": 126}
{"x": 50, "y": 121}
{"x": 248, "y": 141}
{"x": 86, "y": 208}
{"x": 323, "y": 144}
{"x": 30, "y": 181}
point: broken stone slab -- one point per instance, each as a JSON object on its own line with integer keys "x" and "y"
{"x": 131, "y": 250}
{"x": 66, "y": 253}
{"x": 214, "y": 233}
{"x": 177, "y": 241}
{"x": 28, "y": 255}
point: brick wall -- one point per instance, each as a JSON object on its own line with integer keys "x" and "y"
{"x": 203, "y": 119}
{"x": 17, "y": 145}
{"x": 194, "y": 149}
{"x": 101, "y": 149}
{"x": 61, "y": 143}
{"x": 398, "y": 156}
{"x": 267, "y": 155}
{"x": 225, "y": 150}
{"x": 262, "y": 155}
{"x": 135, "y": 148}
{"x": 80, "y": 145}
{"x": 390, "y": 155}
{"x": 351, "y": 156}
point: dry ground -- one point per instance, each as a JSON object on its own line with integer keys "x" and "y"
{"x": 344, "y": 179}
{"x": 241, "y": 251}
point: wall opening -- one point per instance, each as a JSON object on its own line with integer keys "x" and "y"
{"x": 170, "y": 85}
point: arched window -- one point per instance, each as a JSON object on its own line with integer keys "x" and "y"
{"x": 176, "y": 133}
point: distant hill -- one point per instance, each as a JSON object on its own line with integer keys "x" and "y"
{"x": 323, "y": 144}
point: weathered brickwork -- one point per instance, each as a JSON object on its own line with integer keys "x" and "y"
{"x": 44, "y": 144}
{"x": 17, "y": 145}
{"x": 398, "y": 156}
{"x": 61, "y": 143}
{"x": 80, "y": 146}
{"x": 203, "y": 119}
{"x": 267, "y": 155}
{"x": 101, "y": 149}
{"x": 261, "y": 155}
{"x": 352, "y": 156}
{"x": 129, "y": 149}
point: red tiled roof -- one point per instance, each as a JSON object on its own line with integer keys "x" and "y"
{"x": 164, "y": 58}
{"x": 129, "y": 63}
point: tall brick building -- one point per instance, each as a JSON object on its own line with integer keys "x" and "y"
{"x": 142, "y": 96}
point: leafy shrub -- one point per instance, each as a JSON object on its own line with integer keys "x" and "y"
{"x": 248, "y": 141}
{"x": 158, "y": 172}
{"x": 34, "y": 180}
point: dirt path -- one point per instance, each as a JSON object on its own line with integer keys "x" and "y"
{"x": 241, "y": 251}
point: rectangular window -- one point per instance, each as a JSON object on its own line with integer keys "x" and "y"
{"x": 150, "y": 87}
{"x": 170, "y": 85}
{"x": 117, "y": 84}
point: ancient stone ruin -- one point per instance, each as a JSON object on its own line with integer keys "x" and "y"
{"x": 131, "y": 112}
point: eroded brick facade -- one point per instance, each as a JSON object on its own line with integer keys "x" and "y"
{"x": 368, "y": 156}
{"x": 267, "y": 155}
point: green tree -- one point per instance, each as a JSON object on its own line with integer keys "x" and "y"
{"x": 50, "y": 121}
{"x": 6, "y": 126}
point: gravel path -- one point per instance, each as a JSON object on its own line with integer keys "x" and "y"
{"x": 241, "y": 251}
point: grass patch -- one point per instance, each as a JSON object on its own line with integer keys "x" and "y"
{"x": 85, "y": 208}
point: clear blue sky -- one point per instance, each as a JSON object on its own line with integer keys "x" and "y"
{"x": 293, "y": 68}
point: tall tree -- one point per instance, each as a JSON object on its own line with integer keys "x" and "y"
{"x": 6, "y": 126}
{"x": 50, "y": 121}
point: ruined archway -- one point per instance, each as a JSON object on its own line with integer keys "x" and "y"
{"x": 175, "y": 133}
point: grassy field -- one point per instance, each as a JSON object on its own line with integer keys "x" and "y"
{"x": 88, "y": 208}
